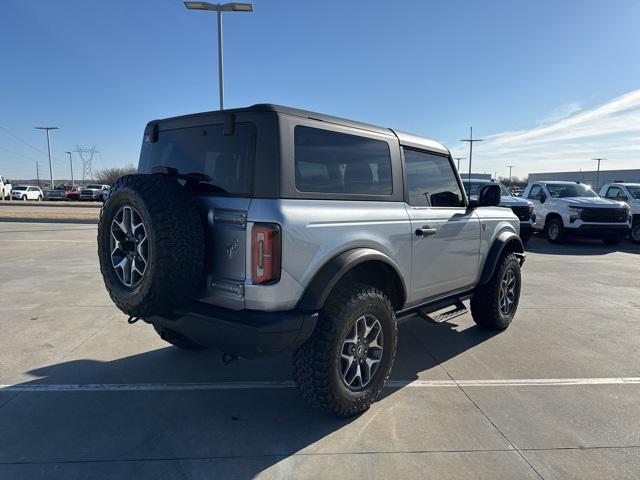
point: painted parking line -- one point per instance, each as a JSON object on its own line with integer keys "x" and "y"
{"x": 150, "y": 387}
{"x": 51, "y": 240}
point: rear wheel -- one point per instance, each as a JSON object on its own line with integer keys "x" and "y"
{"x": 343, "y": 367}
{"x": 555, "y": 231}
{"x": 39, "y": 198}
{"x": 494, "y": 304}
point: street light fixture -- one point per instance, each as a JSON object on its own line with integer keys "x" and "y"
{"x": 73, "y": 183}
{"x": 218, "y": 7}
{"x": 49, "y": 149}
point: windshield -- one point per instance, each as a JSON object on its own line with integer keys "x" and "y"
{"x": 225, "y": 160}
{"x": 566, "y": 190}
{"x": 19, "y": 188}
{"x": 634, "y": 191}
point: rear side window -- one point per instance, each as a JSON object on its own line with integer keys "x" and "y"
{"x": 334, "y": 162}
{"x": 226, "y": 160}
{"x": 430, "y": 180}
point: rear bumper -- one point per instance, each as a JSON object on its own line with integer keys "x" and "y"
{"x": 598, "y": 231}
{"x": 244, "y": 333}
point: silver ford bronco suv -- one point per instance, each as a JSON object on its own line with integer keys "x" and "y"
{"x": 268, "y": 229}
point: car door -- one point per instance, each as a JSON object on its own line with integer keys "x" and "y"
{"x": 445, "y": 234}
{"x": 31, "y": 194}
{"x": 534, "y": 196}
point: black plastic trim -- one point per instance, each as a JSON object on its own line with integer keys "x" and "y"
{"x": 328, "y": 276}
{"x": 243, "y": 333}
{"x": 495, "y": 252}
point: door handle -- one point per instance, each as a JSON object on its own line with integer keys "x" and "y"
{"x": 425, "y": 231}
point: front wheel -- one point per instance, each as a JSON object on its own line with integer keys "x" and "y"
{"x": 494, "y": 304}
{"x": 344, "y": 365}
{"x": 24, "y": 198}
{"x": 39, "y": 198}
{"x": 555, "y": 231}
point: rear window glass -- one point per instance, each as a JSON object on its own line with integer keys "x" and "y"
{"x": 333, "y": 162}
{"x": 225, "y": 160}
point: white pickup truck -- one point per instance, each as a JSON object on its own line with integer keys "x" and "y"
{"x": 566, "y": 209}
{"x": 5, "y": 188}
{"x": 628, "y": 193}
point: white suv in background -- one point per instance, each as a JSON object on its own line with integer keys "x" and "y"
{"x": 26, "y": 192}
{"x": 573, "y": 209}
{"x": 629, "y": 193}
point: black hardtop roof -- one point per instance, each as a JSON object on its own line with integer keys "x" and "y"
{"x": 270, "y": 107}
{"x": 297, "y": 112}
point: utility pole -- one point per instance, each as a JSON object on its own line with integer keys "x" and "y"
{"x": 598, "y": 172}
{"x": 73, "y": 184}
{"x": 470, "y": 140}
{"x": 219, "y": 8}
{"x": 510, "y": 167}
{"x": 47, "y": 129}
{"x": 458, "y": 159}
{"x": 38, "y": 174}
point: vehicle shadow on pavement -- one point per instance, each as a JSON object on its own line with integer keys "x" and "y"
{"x": 539, "y": 244}
{"x": 222, "y": 433}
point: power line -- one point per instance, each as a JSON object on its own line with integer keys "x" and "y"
{"x": 23, "y": 141}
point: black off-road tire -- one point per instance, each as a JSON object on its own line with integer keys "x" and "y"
{"x": 635, "y": 232}
{"x": 562, "y": 236}
{"x": 176, "y": 244}
{"x": 177, "y": 340}
{"x": 317, "y": 364}
{"x": 485, "y": 304}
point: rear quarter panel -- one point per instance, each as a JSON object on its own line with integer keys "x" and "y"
{"x": 315, "y": 231}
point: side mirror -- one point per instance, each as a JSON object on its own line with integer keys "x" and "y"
{"x": 622, "y": 198}
{"x": 542, "y": 197}
{"x": 489, "y": 196}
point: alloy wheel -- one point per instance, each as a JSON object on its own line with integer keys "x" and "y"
{"x": 361, "y": 353}
{"x": 129, "y": 245}
{"x": 507, "y": 295}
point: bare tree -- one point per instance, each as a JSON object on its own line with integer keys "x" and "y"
{"x": 108, "y": 176}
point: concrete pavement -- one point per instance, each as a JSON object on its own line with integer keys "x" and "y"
{"x": 61, "y": 334}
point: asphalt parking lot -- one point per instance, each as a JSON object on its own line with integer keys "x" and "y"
{"x": 84, "y": 395}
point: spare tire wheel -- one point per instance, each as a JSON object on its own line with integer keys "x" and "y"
{"x": 150, "y": 245}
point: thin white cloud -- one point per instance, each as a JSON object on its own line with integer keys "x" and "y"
{"x": 561, "y": 113}
{"x": 611, "y": 130}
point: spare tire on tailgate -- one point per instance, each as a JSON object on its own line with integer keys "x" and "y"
{"x": 150, "y": 245}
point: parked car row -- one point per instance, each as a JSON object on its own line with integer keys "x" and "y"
{"x": 94, "y": 192}
{"x": 565, "y": 210}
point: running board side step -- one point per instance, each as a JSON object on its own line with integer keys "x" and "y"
{"x": 457, "y": 310}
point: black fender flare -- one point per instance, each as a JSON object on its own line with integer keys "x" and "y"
{"x": 331, "y": 272}
{"x": 503, "y": 239}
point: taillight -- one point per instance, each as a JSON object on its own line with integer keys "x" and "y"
{"x": 265, "y": 253}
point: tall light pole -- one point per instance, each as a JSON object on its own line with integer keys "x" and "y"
{"x": 458, "y": 159}
{"x": 598, "y": 173}
{"x": 73, "y": 184}
{"x": 470, "y": 140}
{"x": 220, "y": 7}
{"x": 510, "y": 167}
{"x": 47, "y": 129}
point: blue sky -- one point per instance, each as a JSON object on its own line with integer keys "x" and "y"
{"x": 548, "y": 84}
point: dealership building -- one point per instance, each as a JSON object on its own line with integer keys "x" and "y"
{"x": 589, "y": 176}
